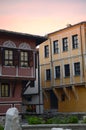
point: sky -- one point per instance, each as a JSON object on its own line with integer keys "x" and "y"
{"x": 40, "y": 17}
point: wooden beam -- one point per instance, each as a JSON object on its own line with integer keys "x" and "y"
{"x": 66, "y": 92}
{"x": 46, "y": 96}
{"x": 57, "y": 94}
{"x": 75, "y": 92}
{"x": 13, "y": 87}
{"x": 26, "y": 86}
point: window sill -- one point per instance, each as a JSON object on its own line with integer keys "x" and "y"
{"x": 64, "y": 51}
{"x": 76, "y": 75}
{"x": 24, "y": 67}
{"x": 9, "y": 66}
{"x": 57, "y": 78}
{"x": 67, "y": 77}
{"x": 48, "y": 80}
{"x": 4, "y": 97}
{"x": 55, "y": 53}
{"x": 46, "y": 57}
{"x": 75, "y": 48}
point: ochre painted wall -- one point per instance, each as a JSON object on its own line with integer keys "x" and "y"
{"x": 76, "y": 103}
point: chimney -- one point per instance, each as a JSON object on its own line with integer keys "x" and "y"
{"x": 68, "y": 25}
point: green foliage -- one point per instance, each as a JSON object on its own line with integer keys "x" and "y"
{"x": 1, "y": 127}
{"x": 72, "y": 119}
{"x": 54, "y": 120}
{"x": 65, "y": 120}
{"x": 35, "y": 120}
{"x": 84, "y": 120}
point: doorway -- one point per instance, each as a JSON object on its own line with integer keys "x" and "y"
{"x": 53, "y": 100}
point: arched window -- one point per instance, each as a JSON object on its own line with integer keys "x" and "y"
{"x": 24, "y": 45}
{"x": 9, "y": 44}
{"x": 8, "y": 53}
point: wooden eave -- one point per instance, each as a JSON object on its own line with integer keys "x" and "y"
{"x": 19, "y": 78}
{"x": 38, "y": 39}
{"x": 66, "y": 93}
{"x": 75, "y": 92}
{"x": 45, "y": 94}
{"x": 57, "y": 94}
{"x": 16, "y": 48}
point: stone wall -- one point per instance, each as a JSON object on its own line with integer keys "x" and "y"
{"x": 49, "y": 126}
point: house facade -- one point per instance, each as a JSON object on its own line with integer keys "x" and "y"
{"x": 17, "y": 67}
{"x": 33, "y": 98}
{"x": 63, "y": 69}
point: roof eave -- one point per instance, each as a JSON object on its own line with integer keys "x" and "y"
{"x": 39, "y": 39}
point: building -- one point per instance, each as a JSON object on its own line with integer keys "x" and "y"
{"x": 33, "y": 98}
{"x": 63, "y": 69}
{"x": 17, "y": 67}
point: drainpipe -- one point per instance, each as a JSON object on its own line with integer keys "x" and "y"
{"x": 51, "y": 62}
{"x": 83, "y": 69}
{"x": 38, "y": 78}
{"x": 39, "y": 86}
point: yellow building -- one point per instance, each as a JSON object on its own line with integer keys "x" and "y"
{"x": 63, "y": 69}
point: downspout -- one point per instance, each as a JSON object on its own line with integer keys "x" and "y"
{"x": 51, "y": 62}
{"x": 83, "y": 69}
{"x": 39, "y": 87}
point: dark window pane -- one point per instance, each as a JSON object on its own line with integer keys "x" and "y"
{"x": 48, "y": 74}
{"x": 55, "y": 47}
{"x": 75, "y": 41}
{"x": 46, "y": 51}
{"x": 65, "y": 44}
{"x": 57, "y": 71}
{"x": 77, "y": 68}
{"x": 67, "y": 70}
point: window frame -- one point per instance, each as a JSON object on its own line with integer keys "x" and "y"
{"x": 65, "y": 44}
{"x": 55, "y": 47}
{"x": 8, "y": 57}
{"x": 67, "y": 70}
{"x": 75, "y": 41}
{"x": 57, "y": 71}
{"x": 77, "y": 69}
{"x": 5, "y": 93}
{"x": 46, "y": 51}
{"x": 24, "y": 60}
{"x": 48, "y": 74}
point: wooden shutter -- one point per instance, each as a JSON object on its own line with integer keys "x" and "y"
{"x": 31, "y": 58}
{"x": 2, "y": 56}
{"x": 16, "y": 57}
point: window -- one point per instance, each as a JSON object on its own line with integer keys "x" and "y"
{"x": 46, "y": 51}
{"x": 67, "y": 70}
{"x": 57, "y": 71}
{"x": 63, "y": 97}
{"x": 48, "y": 74}
{"x": 77, "y": 68}
{"x": 8, "y": 58}
{"x": 5, "y": 90}
{"x": 75, "y": 41}
{"x": 55, "y": 47}
{"x": 31, "y": 108}
{"x": 65, "y": 44}
{"x": 23, "y": 59}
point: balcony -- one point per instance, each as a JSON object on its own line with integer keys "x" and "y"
{"x": 17, "y": 72}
